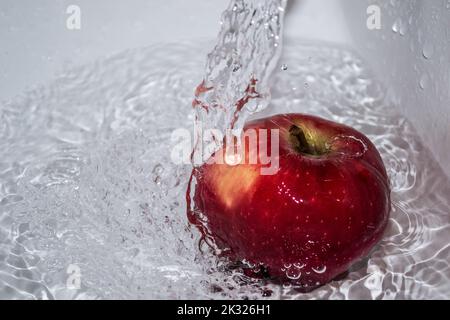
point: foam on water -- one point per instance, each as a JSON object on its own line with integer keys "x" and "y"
{"x": 86, "y": 179}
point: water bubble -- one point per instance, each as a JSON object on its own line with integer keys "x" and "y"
{"x": 284, "y": 67}
{"x": 236, "y": 67}
{"x": 293, "y": 274}
{"x": 158, "y": 169}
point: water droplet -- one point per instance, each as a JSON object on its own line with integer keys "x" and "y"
{"x": 396, "y": 26}
{"x": 319, "y": 270}
{"x": 403, "y": 29}
{"x": 299, "y": 265}
{"x": 428, "y": 50}
{"x": 423, "y": 82}
{"x": 158, "y": 169}
{"x": 399, "y": 27}
{"x": 292, "y": 273}
{"x": 284, "y": 67}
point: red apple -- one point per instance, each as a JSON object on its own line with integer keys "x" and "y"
{"x": 325, "y": 208}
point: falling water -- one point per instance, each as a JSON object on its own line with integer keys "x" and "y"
{"x": 238, "y": 69}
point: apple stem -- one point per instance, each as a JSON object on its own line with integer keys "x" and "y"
{"x": 299, "y": 142}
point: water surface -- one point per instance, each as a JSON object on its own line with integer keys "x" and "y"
{"x": 86, "y": 179}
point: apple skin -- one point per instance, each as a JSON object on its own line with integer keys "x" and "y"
{"x": 311, "y": 220}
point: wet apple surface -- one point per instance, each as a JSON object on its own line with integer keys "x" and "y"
{"x": 323, "y": 209}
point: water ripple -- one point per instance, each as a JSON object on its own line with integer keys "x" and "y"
{"x": 86, "y": 179}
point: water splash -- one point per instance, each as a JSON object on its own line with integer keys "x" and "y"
{"x": 236, "y": 81}
{"x": 237, "y": 75}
